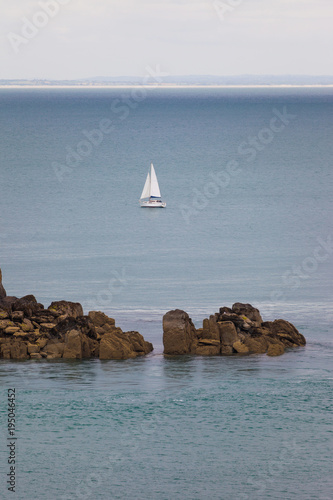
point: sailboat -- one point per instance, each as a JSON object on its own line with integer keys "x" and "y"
{"x": 151, "y": 195}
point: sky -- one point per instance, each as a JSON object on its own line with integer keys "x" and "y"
{"x": 73, "y": 39}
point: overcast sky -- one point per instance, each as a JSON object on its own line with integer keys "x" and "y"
{"x": 86, "y": 38}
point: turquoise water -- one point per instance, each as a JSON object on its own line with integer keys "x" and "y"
{"x": 248, "y": 218}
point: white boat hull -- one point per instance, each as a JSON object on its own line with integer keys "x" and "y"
{"x": 153, "y": 204}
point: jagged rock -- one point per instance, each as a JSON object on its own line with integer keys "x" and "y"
{"x": 2, "y": 290}
{"x": 3, "y": 314}
{"x": 28, "y": 304}
{"x": 114, "y": 345}
{"x": 71, "y": 309}
{"x": 238, "y": 321}
{"x": 178, "y": 332}
{"x": 248, "y": 311}
{"x": 224, "y": 310}
{"x": 237, "y": 330}
{"x": 286, "y": 332}
{"x": 101, "y": 320}
{"x": 139, "y": 344}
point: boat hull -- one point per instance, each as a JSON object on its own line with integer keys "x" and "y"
{"x": 152, "y": 204}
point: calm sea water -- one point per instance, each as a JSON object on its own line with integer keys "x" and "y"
{"x": 247, "y": 177}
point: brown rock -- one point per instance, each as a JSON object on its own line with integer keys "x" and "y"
{"x": 11, "y": 329}
{"x": 275, "y": 350}
{"x": 73, "y": 345}
{"x": 2, "y": 290}
{"x": 33, "y": 348}
{"x": 224, "y": 310}
{"x": 249, "y": 311}
{"x": 115, "y": 345}
{"x": 18, "y": 350}
{"x": 285, "y": 332}
{"x": 42, "y": 343}
{"x": 210, "y": 342}
{"x": 226, "y": 350}
{"x": 85, "y": 343}
{"x": 54, "y": 348}
{"x": 5, "y": 351}
{"x": 3, "y": 314}
{"x": 28, "y": 304}
{"x": 213, "y": 329}
{"x": 4, "y": 323}
{"x": 71, "y": 309}
{"x": 139, "y": 344}
{"x": 207, "y": 350}
{"x": 26, "y": 325}
{"x": 240, "y": 347}
{"x": 99, "y": 319}
{"x": 46, "y": 327}
{"x": 178, "y": 332}
{"x": 20, "y": 334}
{"x": 17, "y": 315}
{"x": 257, "y": 346}
{"x": 228, "y": 333}
{"x": 94, "y": 348}
{"x": 35, "y": 355}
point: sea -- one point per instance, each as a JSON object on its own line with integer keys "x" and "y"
{"x": 246, "y": 174}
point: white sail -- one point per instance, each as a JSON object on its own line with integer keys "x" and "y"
{"x": 146, "y": 188}
{"x": 154, "y": 187}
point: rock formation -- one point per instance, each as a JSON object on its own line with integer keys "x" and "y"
{"x": 2, "y": 290}
{"x": 239, "y": 330}
{"x": 29, "y": 331}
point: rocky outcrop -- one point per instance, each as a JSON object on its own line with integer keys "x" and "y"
{"x": 236, "y": 330}
{"x": 2, "y": 290}
{"x": 29, "y": 331}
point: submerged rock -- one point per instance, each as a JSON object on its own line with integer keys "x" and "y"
{"x": 236, "y": 330}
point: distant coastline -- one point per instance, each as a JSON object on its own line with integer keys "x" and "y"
{"x": 156, "y": 79}
{"x": 163, "y": 86}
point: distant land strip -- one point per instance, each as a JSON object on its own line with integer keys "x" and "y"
{"x": 180, "y": 81}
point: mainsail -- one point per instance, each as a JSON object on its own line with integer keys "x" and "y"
{"x": 154, "y": 187}
{"x": 151, "y": 188}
